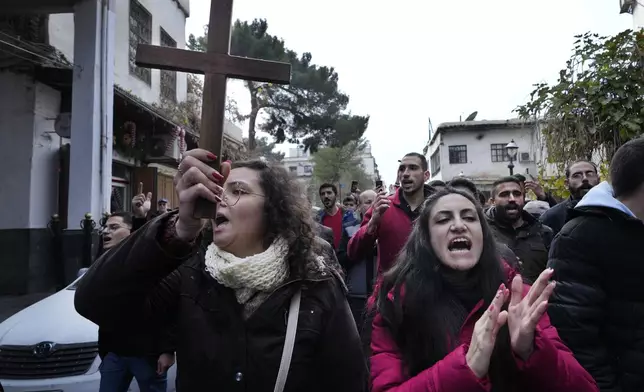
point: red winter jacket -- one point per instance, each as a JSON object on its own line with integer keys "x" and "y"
{"x": 550, "y": 368}
{"x": 392, "y": 234}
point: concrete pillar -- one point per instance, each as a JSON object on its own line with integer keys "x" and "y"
{"x": 92, "y": 102}
{"x": 29, "y": 187}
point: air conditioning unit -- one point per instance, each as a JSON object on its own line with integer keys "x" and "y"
{"x": 525, "y": 157}
{"x": 627, "y": 6}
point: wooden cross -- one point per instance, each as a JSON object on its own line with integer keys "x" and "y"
{"x": 218, "y": 65}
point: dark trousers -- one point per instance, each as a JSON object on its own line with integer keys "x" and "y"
{"x": 117, "y": 373}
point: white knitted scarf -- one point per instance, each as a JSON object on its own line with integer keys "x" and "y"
{"x": 253, "y": 278}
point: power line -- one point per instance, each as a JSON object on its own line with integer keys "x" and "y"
{"x": 48, "y": 59}
{"x": 19, "y": 41}
{"x": 20, "y": 57}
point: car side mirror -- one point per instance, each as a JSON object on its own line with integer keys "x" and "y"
{"x": 81, "y": 272}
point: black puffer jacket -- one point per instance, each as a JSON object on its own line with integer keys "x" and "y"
{"x": 530, "y": 242}
{"x": 217, "y": 350}
{"x": 598, "y": 304}
{"x": 556, "y": 216}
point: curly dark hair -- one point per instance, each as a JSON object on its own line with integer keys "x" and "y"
{"x": 286, "y": 212}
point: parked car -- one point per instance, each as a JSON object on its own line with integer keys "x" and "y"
{"x": 49, "y": 347}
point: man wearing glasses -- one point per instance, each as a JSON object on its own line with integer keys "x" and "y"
{"x": 581, "y": 176}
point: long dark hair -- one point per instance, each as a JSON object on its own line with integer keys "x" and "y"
{"x": 286, "y": 212}
{"x": 426, "y": 319}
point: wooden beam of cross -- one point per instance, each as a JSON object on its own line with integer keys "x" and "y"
{"x": 218, "y": 65}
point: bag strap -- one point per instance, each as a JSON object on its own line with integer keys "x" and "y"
{"x": 289, "y": 341}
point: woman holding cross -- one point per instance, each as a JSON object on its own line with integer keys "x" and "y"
{"x": 263, "y": 308}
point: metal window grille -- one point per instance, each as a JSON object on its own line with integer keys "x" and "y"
{"x": 168, "y": 78}
{"x": 435, "y": 162}
{"x": 140, "y": 33}
{"x": 32, "y": 28}
{"x": 498, "y": 153}
{"x": 458, "y": 154}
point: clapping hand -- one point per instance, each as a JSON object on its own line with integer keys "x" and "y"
{"x": 524, "y": 313}
{"x": 484, "y": 335}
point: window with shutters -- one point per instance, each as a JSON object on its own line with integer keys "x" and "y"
{"x": 168, "y": 78}
{"x": 140, "y": 33}
{"x": 498, "y": 153}
{"x": 435, "y": 162}
{"x": 458, "y": 154}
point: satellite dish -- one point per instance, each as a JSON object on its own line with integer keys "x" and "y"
{"x": 63, "y": 125}
{"x": 472, "y": 116}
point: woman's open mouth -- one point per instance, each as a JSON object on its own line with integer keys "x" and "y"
{"x": 220, "y": 220}
{"x": 460, "y": 245}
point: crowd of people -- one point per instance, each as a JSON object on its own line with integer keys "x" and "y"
{"x": 429, "y": 287}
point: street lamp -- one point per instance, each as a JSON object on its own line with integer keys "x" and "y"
{"x": 511, "y": 149}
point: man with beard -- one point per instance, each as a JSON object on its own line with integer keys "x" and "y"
{"x": 390, "y": 218}
{"x": 581, "y": 176}
{"x": 528, "y": 238}
{"x": 331, "y": 215}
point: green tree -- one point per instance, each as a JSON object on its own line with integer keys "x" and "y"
{"x": 310, "y": 111}
{"x": 266, "y": 149}
{"x": 597, "y": 103}
{"x": 341, "y": 165}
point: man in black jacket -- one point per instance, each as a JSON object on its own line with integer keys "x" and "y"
{"x": 144, "y": 352}
{"x": 581, "y": 176}
{"x": 598, "y": 262}
{"x": 520, "y": 231}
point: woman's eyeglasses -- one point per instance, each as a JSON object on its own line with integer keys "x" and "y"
{"x": 231, "y": 196}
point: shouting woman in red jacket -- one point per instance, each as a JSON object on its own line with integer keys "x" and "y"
{"x": 447, "y": 322}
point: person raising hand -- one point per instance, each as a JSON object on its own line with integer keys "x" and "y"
{"x": 263, "y": 301}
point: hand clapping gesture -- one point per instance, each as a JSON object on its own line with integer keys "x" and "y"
{"x": 524, "y": 313}
{"x": 522, "y": 316}
{"x": 484, "y": 336}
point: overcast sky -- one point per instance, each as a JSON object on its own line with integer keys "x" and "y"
{"x": 404, "y": 61}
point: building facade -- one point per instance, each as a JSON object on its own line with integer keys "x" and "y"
{"x": 636, "y": 8}
{"x": 81, "y": 125}
{"x": 476, "y": 150}
{"x": 300, "y": 164}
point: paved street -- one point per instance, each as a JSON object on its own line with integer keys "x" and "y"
{"x": 11, "y": 304}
